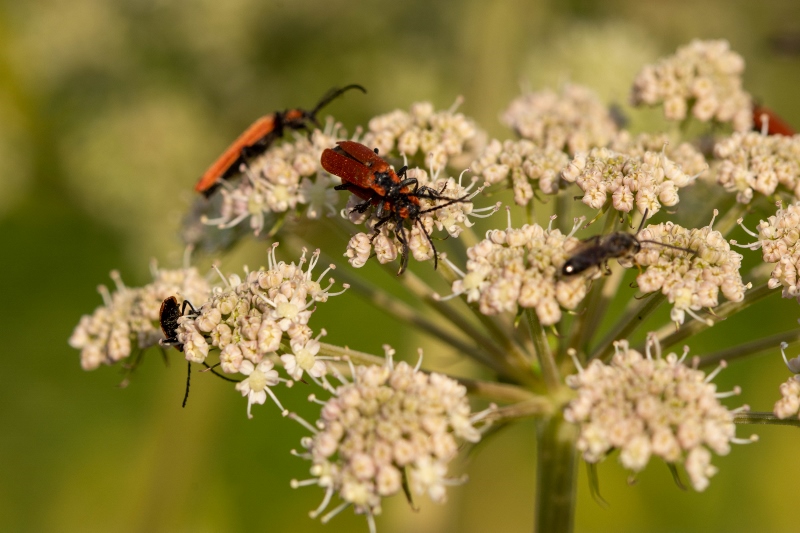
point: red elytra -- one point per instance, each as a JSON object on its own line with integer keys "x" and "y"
{"x": 775, "y": 125}
{"x": 368, "y": 176}
{"x": 259, "y": 136}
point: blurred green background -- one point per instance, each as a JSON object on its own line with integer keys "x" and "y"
{"x": 110, "y": 110}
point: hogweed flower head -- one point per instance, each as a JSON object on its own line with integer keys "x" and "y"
{"x": 779, "y": 240}
{"x": 752, "y": 162}
{"x": 524, "y": 165}
{"x": 520, "y": 267}
{"x": 646, "y": 405}
{"x": 646, "y": 182}
{"x": 129, "y": 318}
{"x": 283, "y": 179}
{"x": 691, "y": 281}
{"x": 390, "y": 422}
{"x": 704, "y": 78}
{"x": 573, "y": 120}
{"x": 443, "y": 137}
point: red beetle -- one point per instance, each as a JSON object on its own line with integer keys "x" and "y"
{"x": 775, "y": 125}
{"x": 259, "y": 137}
{"x": 395, "y": 196}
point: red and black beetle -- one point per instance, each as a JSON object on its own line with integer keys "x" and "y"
{"x": 394, "y": 196}
{"x": 257, "y": 138}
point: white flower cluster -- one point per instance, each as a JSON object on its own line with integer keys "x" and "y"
{"x": 247, "y": 321}
{"x": 392, "y": 421}
{"x": 684, "y": 154}
{"x": 690, "y": 281}
{"x": 387, "y": 246}
{"x": 444, "y": 137}
{"x": 646, "y": 182}
{"x": 520, "y": 267}
{"x": 755, "y": 162}
{"x": 286, "y": 176}
{"x": 645, "y": 406}
{"x": 573, "y": 121}
{"x": 129, "y": 318}
{"x": 779, "y": 239}
{"x": 703, "y": 75}
{"x": 523, "y": 164}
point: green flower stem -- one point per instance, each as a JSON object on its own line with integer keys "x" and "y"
{"x": 501, "y": 329}
{"x": 694, "y": 326}
{"x": 552, "y": 377}
{"x": 479, "y": 349}
{"x": 764, "y": 418}
{"x": 537, "y": 407}
{"x": 635, "y": 316}
{"x": 343, "y": 352}
{"x": 556, "y": 476}
{"x": 751, "y": 348}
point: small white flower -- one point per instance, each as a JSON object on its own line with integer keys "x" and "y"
{"x": 256, "y": 387}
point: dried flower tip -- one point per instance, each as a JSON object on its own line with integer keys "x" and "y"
{"x": 646, "y": 406}
{"x": 792, "y": 364}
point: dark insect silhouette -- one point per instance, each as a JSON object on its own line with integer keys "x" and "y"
{"x": 168, "y": 316}
{"x": 394, "y": 196}
{"x": 597, "y": 250}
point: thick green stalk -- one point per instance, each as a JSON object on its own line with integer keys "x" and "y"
{"x": 556, "y": 476}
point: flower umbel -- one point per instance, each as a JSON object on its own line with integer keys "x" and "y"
{"x": 646, "y": 405}
{"x": 391, "y": 421}
{"x": 128, "y": 320}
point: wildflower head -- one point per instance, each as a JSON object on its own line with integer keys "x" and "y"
{"x": 521, "y": 165}
{"x": 646, "y": 182}
{"x": 519, "y": 267}
{"x": 573, "y": 120}
{"x": 129, "y": 319}
{"x": 779, "y": 239}
{"x": 287, "y": 178}
{"x": 444, "y": 138}
{"x": 390, "y": 422}
{"x": 645, "y": 405}
{"x": 704, "y": 78}
{"x": 754, "y": 163}
{"x": 691, "y": 281}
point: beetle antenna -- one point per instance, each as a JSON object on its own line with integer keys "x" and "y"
{"x": 332, "y": 95}
{"x": 670, "y": 246}
{"x": 641, "y": 224}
